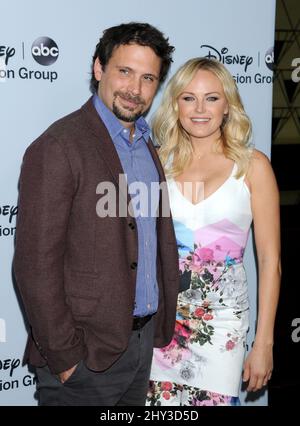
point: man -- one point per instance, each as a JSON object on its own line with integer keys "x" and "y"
{"x": 98, "y": 289}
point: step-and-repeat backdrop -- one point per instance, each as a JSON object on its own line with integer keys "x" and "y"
{"x": 45, "y": 59}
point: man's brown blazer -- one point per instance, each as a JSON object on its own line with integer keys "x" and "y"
{"x": 76, "y": 272}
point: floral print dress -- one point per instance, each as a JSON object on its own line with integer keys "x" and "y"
{"x": 203, "y": 363}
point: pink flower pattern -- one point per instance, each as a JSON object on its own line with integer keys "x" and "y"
{"x": 206, "y": 269}
{"x": 186, "y": 396}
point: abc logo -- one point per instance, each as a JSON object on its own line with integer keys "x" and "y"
{"x": 269, "y": 58}
{"x": 44, "y": 50}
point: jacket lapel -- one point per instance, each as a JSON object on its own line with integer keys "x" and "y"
{"x": 104, "y": 144}
{"x": 107, "y": 150}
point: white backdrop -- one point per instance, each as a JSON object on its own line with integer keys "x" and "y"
{"x": 33, "y": 95}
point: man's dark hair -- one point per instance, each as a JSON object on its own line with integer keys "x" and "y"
{"x": 133, "y": 33}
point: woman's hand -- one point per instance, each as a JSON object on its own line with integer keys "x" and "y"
{"x": 258, "y": 367}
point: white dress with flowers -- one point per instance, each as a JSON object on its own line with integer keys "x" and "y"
{"x": 205, "y": 356}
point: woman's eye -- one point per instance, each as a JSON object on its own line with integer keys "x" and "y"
{"x": 212, "y": 98}
{"x": 188, "y": 98}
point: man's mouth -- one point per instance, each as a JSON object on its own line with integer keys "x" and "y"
{"x": 130, "y": 101}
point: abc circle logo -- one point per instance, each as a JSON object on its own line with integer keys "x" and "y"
{"x": 44, "y": 50}
{"x": 269, "y": 58}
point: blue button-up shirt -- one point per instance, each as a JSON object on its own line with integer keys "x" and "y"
{"x": 139, "y": 169}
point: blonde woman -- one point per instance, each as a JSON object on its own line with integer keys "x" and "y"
{"x": 218, "y": 185}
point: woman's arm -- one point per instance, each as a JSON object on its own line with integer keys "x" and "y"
{"x": 265, "y": 209}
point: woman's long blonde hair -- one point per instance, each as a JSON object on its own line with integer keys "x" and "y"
{"x": 175, "y": 142}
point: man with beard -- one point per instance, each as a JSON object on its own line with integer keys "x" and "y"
{"x": 99, "y": 289}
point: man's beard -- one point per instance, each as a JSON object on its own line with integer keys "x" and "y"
{"x": 128, "y": 118}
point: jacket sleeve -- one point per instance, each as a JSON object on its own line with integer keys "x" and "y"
{"x": 46, "y": 191}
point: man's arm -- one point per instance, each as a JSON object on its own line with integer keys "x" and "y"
{"x": 47, "y": 188}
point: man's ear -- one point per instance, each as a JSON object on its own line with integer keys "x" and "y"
{"x": 98, "y": 70}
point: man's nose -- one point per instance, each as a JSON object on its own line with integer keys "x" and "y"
{"x": 135, "y": 86}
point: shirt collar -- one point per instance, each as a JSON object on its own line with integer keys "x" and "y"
{"x": 114, "y": 126}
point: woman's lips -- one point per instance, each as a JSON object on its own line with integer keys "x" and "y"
{"x": 200, "y": 120}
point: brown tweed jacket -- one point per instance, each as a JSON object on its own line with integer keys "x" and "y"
{"x": 76, "y": 272}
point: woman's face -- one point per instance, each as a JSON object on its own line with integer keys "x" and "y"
{"x": 202, "y": 106}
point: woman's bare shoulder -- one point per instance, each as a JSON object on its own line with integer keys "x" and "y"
{"x": 260, "y": 168}
{"x": 259, "y": 162}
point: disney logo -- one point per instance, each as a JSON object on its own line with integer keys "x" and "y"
{"x": 9, "y": 364}
{"x": 7, "y": 53}
{"x": 227, "y": 59}
{"x": 10, "y": 211}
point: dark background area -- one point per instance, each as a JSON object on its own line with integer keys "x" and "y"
{"x": 285, "y": 156}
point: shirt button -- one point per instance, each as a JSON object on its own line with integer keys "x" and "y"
{"x": 148, "y": 276}
{"x": 146, "y": 243}
{"x": 148, "y": 306}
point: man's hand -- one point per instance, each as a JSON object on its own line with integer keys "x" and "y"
{"x": 65, "y": 375}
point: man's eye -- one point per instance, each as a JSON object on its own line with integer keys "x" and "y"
{"x": 148, "y": 78}
{"x": 124, "y": 71}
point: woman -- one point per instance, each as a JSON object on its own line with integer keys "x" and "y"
{"x": 217, "y": 184}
